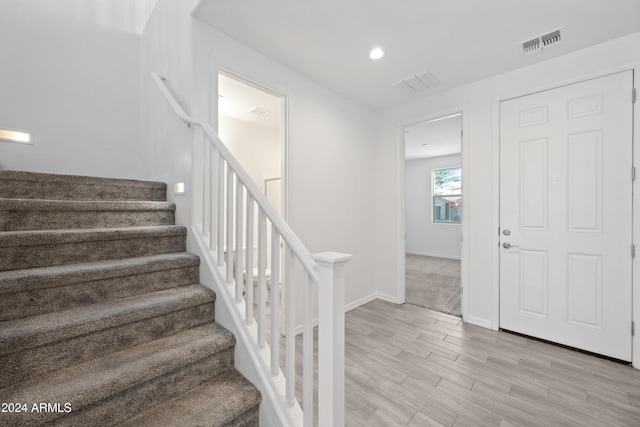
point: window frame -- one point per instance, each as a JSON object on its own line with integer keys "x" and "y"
{"x": 433, "y": 196}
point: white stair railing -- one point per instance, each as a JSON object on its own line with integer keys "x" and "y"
{"x": 232, "y": 216}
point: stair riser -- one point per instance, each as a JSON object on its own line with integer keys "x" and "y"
{"x": 100, "y": 310}
{"x": 58, "y": 220}
{"x": 237, "y": 404}
{"x": 11, "y": 189}
{"x": 113, "y": 410}
{"x": 250, "y": 418}
{"x": 34, "y": 362}
{"x": 28, "y": 303}
{"x": 21, "y": 257}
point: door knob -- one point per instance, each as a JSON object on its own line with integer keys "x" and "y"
{"x": 508, "y": 245}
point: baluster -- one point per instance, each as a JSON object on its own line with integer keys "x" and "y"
{"x": 239, "y": 212}
{"x": 205, "y": 193}
{"x": 229, "y": 225}
{"x": 275, "y": 301}
{"x": 212, "y": 200}
{"x": 307, "y": 351}
{"x": 262, "y": 261}
{"x": 249, "y": 273}
{"x": 290, "y": 329}
{"x": 220, "y": 216}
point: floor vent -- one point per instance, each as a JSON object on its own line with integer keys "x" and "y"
{"x": 539, "y": 43}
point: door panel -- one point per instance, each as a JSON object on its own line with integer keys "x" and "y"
{"x": 585, "y": 181}
{"x": 533, "y": 184}
{"x": 533, "y": 282}
{"x": 565, "y": 199}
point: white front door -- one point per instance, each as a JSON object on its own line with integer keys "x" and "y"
{"x": 565, "y": 209}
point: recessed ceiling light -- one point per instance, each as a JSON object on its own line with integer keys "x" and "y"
{"x": 376, "y": 53}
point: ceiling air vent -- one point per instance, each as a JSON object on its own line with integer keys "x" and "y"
{"x": 531, "y": 46}
{"x": 539, "y": 43}
{"x": 551, "y": 39}
{"x": 258, "y": 111}
{"x": 417, "y": 83}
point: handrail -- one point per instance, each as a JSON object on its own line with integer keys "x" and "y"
{"x": 160, "y": 81}
{"x": 283, "y": 228}
{"x": 325, "y": 269}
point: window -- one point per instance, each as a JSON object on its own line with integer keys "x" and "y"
{"x": 447, "y": 195}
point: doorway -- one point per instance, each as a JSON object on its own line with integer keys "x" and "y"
{"x": 566, "y": 215}
{"x": 433, "y": 213}
{"x": 252, "y": 124}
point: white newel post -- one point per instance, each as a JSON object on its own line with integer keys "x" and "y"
{"x": 331, "y": 348}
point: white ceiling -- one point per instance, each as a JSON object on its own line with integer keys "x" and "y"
{"x": 236, "y": 99}
{"x": 439, "y": 137}
{"x": 459, "y": 41}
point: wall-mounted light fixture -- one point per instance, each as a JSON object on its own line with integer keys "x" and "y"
{"x": 179, "y": 189}
{"x": 20, "y": 137}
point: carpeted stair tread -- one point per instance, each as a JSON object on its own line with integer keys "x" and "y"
{"x": 85, "y": 386}
{"x": 226, "y": 400}
{"x": 40, "y": 351}
{"x": 48, "y": 237}
{"x": 20, "y": 334}
{"x": 42, "y": 248}
{"x": 83, "y": 205}
{"x": 33, "y": 291}
{"x": 37, "y": 214}
{"x": 14, "y": 175}
{"x": 31, "y": 185}
{"x": 102, "y": 315}
{"x": 59, "y": 275}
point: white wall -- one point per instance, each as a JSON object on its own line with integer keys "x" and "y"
{"x": 256, "y": 147}
{"x": 330, "y": 153}
{"x": 331, "y": 140}
{"x": 480, "y": 165}
{"x": 166, "y": 49}
{"x": 72, "y": 80}
{"x": 424, "y": 237}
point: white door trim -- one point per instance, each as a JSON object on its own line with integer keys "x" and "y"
{"x": 285, "y": 126}
{"x": 400, "y": 225}
{"x": 284, "y": 161}
{"x": 495, "y": 255}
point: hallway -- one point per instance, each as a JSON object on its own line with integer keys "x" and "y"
{"x": 406, "y": 365}
{"x": 433, "y": 283}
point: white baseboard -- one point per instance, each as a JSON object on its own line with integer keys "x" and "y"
{"x": 387, "y": 298}
{"x": 484, "y": 323}
{"x": 361, "y": 301}
{"x": 351, "y": 306}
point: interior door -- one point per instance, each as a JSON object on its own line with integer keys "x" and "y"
{"x": 566, "y": 215}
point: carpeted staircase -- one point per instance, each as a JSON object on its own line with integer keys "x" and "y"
{"x": 102, "y": 319}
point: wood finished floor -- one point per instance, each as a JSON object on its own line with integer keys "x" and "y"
{"x": 407, "y": 365}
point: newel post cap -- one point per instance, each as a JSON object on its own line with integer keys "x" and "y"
{"x": 331, "y": 258}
